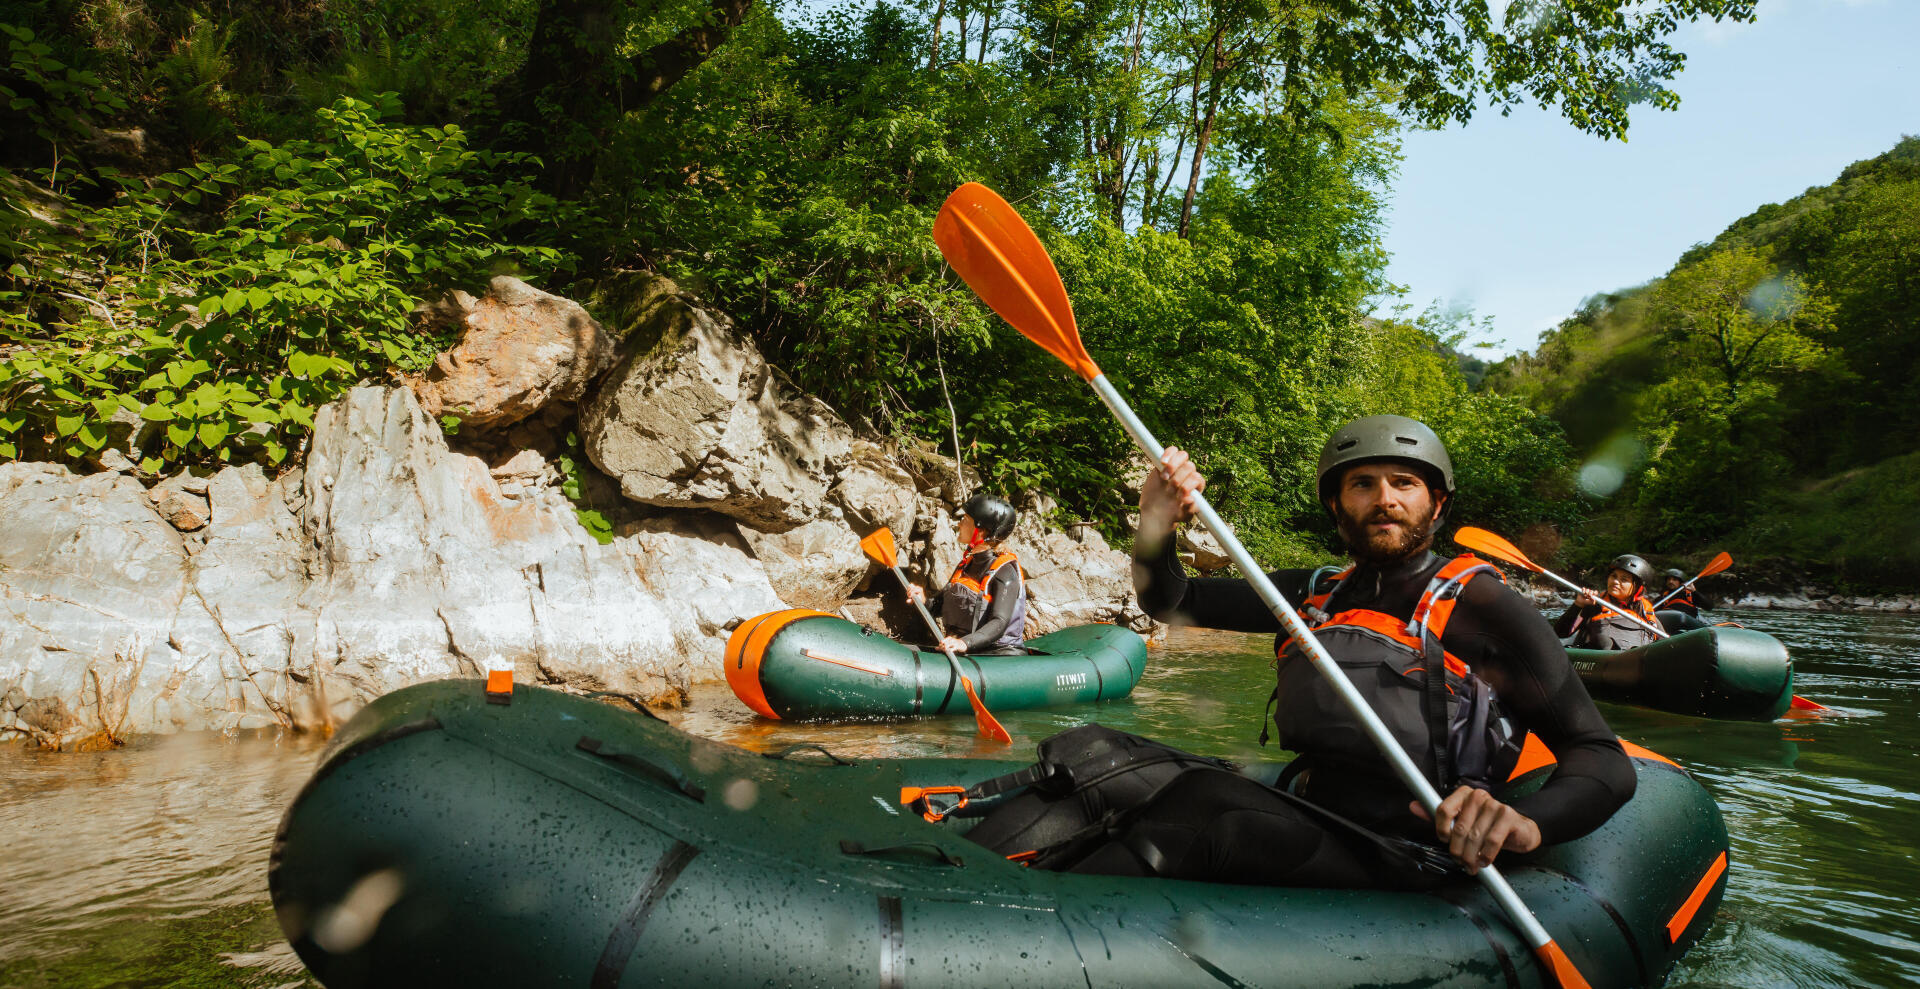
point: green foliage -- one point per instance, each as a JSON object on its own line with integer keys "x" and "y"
{"x": 1209, "y": 178}
{"x": 55, "y": 99}
{"x": 231, "y": 298}
{"x": 794, "y": 180}
{"x": 1780, "y": 352}
{"x": 573, "y": 484}
{"x": 1857, "y": 527}
{"x": 1512, "y": 466}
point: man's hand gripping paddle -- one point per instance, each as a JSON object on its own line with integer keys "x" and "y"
{"x": 880, "y": 549}
{"x": 1713, "y": 566}
{"x": 996, "y": 254}
{"x": 1482, "y": 541}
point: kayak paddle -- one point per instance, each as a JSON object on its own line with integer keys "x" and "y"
{"x": 997, "y": 255}
{"x": 1713, "y": 566}
{"x": 1486, "y": 542}
{"x": 880, "y": 549}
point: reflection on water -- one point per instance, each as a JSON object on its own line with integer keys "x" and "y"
{"x": 146, "y": 866}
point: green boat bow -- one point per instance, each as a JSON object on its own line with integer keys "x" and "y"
{"x": 558, "y": 841}
{"x": 801, "y": 664}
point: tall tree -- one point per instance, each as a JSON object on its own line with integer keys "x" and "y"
{"x": 576, "y": 83}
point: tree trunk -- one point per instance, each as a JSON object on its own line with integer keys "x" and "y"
{"x": 1146, "y": 186}
{"x": 572, "y": 90}
{"x": 659, "y": 67}
{"x": 1204, "y": 137}
{"x": 559, "y": 96}
{"x": 1116, "y": 190}
{"x": 933, "y": 42}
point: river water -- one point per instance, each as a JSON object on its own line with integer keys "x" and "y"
{"x": 146, "y": 866}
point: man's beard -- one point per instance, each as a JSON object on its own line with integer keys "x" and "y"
{"x": 1388, "y": 547}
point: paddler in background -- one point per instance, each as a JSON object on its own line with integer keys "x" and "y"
{"x": 1682, "y": 601}
{"x": 1340, "y": 817}
{"x": 1595, "y": 626}
{"x": 984, "y": 605}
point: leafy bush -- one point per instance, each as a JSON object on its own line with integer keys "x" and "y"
{"x": 223, "y": 301}
{"x": 53, "y": 98}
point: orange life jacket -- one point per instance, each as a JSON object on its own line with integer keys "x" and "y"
{"x": 1451, "y": 727}
{"x": 963, "y": 605}
{"x": 1609, "y": 630}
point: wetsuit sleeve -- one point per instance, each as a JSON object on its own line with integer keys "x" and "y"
{"x": 1006, "y": 590}
{"x": 1527, "y": 667}
{"x": 1228, "y": 603}
{"x": 1567, "y": 622}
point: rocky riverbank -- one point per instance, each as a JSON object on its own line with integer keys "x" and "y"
{"x": 1817, "y": 599}
{"x": 396, "y": 552}
{"x": 1806, "y": 599}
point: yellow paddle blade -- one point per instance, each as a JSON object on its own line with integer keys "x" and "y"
{"x": 879, "y": 547}
{"x": 1482, "y": 541}
{"x": 996, "y": 254}
{"x": 1716, "y": 565}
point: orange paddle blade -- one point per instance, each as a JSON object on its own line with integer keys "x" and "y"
{"x": 1800, "y": 703}
{"x": 879, "y": 547}
{"x": 1716, "y": 565}
{"x": 1555, "y": 960}
{"x": 1486, "y": 542}
{"x": 982, "y": 718}
{"x": 996, "y": 254}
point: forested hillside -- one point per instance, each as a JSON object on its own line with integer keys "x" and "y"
{"x": 1763, "y": 394}
{"x": 219, "y": 215}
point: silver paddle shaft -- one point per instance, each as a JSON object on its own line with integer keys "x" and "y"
{"x": 927, "y": 616}
{"x": 1602, "y": 598}
{"x": 1536, "y": 935}
{"x": 1669, "y": 595}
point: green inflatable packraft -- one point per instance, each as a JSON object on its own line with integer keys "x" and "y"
{"x": 802, "y": 664}
{"x": 1712, "y": 672}
{"x": 559, "y": 841}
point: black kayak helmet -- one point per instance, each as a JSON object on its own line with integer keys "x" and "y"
{"x": 1385, "y": 437}
{"x": 991, "y": 514}
{"x": 1641, "y": 570}
{"x": 1677, "y": 573}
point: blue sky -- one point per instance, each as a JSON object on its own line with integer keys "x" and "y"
{"x": 1520, "y": 218}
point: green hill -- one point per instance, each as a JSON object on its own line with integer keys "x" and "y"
{"x": 1736, "y": 398}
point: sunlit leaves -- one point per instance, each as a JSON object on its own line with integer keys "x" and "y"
{"x": 301, "y": 284}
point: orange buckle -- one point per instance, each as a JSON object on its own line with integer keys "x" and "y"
{"x": 1025, "y": 858}
{"x": 922, "y": 799}
{"x": 499, "y": 686}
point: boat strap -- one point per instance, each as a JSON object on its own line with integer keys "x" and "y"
{"x": 799, "y": 747}
{"x": 667, "y": 776}
{"x": 937, "y": 803}
{"x": 619, "y": 695}
{"x": 850, "y": 847}
{"x": 1075, "y": 759}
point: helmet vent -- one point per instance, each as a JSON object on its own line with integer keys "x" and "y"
{"x": 1408, "y": 440}
{"x": 1348, "y": 445}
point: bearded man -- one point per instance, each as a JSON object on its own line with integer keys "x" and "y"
{"x": 1400, "y": 621}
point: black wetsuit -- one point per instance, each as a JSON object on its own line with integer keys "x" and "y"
{"x": 1006, "y": 590}
{"x": 1216, "y": 826}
